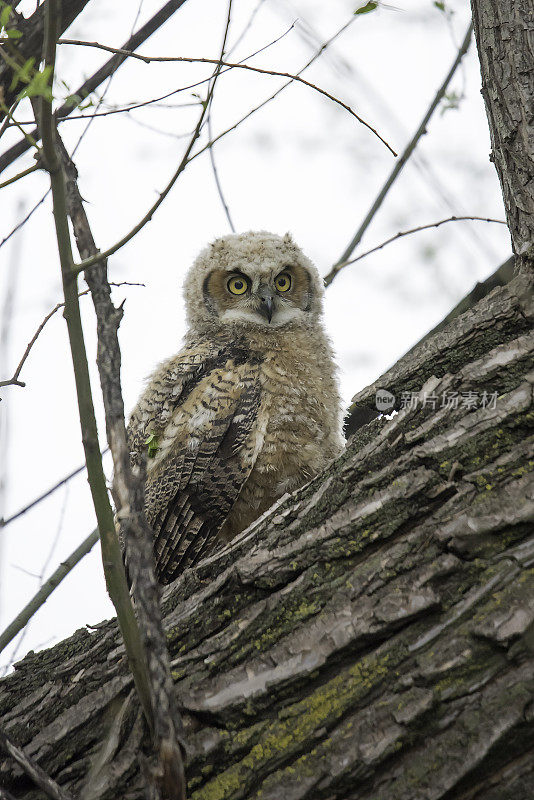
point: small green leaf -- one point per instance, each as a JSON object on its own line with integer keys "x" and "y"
{"x": 13, "y": 33}
{"x": 4, "y": 15}
{"x": 451, "y": 101}
{"x": 439, "y": 5}
{"x": 370, "y": 6}
{"x": 153, "y": 445}
{"x": 39, "y": 85}
{"x": 24, "y": 73}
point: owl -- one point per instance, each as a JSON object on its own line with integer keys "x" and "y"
{"x": 248, "y": 410}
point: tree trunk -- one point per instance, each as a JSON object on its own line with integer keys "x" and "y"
{"x": 504, "y": 31}
{"x": 372, "y": 636}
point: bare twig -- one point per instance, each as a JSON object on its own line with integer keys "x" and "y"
{"x": 247, "y": 27}
{"x": 40, "y": 577}
{"x": 28, "y": 136}
{"x": 5, "y": 522}
{"x": 410, "y": 147}
{"x": 216, "y": 177}
{"x": 47, "y": 588}
{"x": 186, "y": 159}
{"x": 33, "y": 770}
{"x": 210, "y": 151}
{"x": 7, "y": 121}
{"x": 236, "y": 65}
{"x": 20, "y": 175}
{"x": 14, "y": 380}
{"x": 400, "y": 234}
{"x": 92, "y": 83}
{"x": 219, "y": 136}
{"x": 107, "y": 86}
{"x": 23, "y": 221}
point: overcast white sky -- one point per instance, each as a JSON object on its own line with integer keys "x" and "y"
{"x": 301, "y": 164}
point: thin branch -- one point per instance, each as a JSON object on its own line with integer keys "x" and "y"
{"x": 28, "y": 136}
{"x": 92, "y": 83}
{"x": 210, "y": 151}
{"x": 47, "y": 588}
{"x": 14, "y": 381}
{"x": 7, "y": 122}
{"x": 421, "y": 130}
{"x": 20, "y": 175}
{"x": 400, "y": 234}
{"x": 216, "y": 177}
{"x": 111, "y": 554}
{"x": 5, "y": 522}
{"x": 33, "y": 770}
{"x": 247, "y": 27}
{"x": 25, "y": 220}
{"x": 235, "y": 65}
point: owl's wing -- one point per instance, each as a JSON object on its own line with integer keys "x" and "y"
{"x": 208, "y": 435}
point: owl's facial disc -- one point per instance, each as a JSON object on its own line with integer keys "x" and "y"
{"x": 271, "y": 299}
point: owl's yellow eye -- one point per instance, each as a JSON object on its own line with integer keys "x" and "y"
{"x": 237, "y": 285}
{"x": 283, "y": 282}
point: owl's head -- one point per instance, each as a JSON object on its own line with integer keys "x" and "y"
{"x": 253, "y": 279}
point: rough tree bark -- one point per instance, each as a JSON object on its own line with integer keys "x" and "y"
{"x": 372, "y": 636}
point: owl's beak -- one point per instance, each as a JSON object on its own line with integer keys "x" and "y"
{"x": 266, "y": 307}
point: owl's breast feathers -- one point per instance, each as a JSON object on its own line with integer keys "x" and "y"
{"x": 208, "y": 413}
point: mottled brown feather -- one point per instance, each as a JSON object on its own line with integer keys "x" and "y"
{"x": 190, "y": 492}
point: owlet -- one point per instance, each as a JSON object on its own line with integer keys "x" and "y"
{"x": 248, "y": 410}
